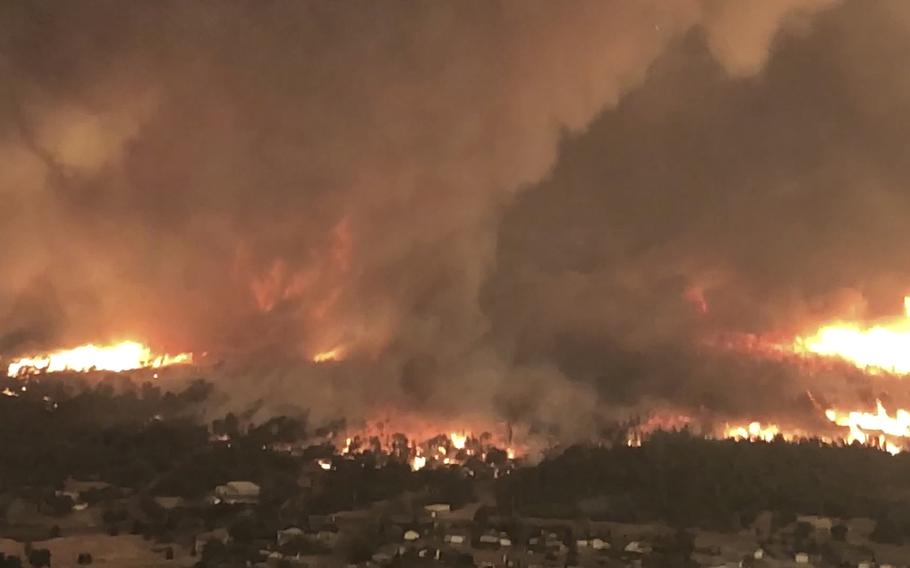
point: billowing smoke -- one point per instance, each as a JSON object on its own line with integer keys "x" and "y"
{"x": 503, "y": 208}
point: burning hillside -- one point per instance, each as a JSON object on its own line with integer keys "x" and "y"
{"x": 557, "y": 217}
{"x": 423, "y": 442}
{"x": 116, "y": 357}
{"x": 882, "y": 347}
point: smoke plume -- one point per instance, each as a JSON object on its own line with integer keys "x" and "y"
{"x": 533, "y": 211}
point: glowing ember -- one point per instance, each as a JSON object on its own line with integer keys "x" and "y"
{"x": 419, "y": 462}
{"x": 458, "y": 440}
{"x": 123, "y": 356}
{"x": 325, "y": 464}
{"x": 327, "y": 356}
{"x": 884, "y": 347}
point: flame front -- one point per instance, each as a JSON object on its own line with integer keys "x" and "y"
{"x": 879, "y": 422}
{"x": 753, "y": 432}
{"x": 123, "y": 356}
{"x": 883, "y": 347}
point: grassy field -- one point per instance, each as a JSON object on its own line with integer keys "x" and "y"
{"x": 128, "y": 551}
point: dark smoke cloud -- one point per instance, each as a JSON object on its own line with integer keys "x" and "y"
{"x": 495, "y": 207}
{"x": 779, "y": 197}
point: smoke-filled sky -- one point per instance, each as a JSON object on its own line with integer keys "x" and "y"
{"x": 507, "y": 208}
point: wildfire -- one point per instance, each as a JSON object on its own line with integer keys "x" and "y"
{"x": 335, "y": 354}
{"x": 883, "y": 347}
{"x": 458, "y": 440}
{"x": 123, "y": 356}
{"x": 755, "y": 431}
{"x": 419, "y": 462}
{"x": 861, "y": 423}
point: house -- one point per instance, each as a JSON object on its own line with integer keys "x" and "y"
{"x": 382, "y": 558}
{"x": 385, "y": 554}
{"x": 218, "y": 535}
{"x": 168, "y": 503}
{"x": 327, "y": 536}
{"x": 433, "y": 553}
{"x": 489, "y": 541}
{"x": 74, "y": 495}
{"x": 236, "y": 492}
{"x": 821, "y": 524}
{"x": 457, "y": 536}
{"x": 411, "y": 535}
{"x": 435, "y": 509}
{"x": 77, "y": 486}
{"x": 801, "y": 558}
{"x": 595, "y": 543}
{"x": 289, "y": 534}
{"x": 637, "y": 547}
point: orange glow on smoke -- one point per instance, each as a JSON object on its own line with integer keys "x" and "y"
{"x": 117, "y": 357}
{"x": 882, "y": 347}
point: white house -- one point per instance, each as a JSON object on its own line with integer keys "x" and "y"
{"x": 436, "y": 508}
{"x": 637, "y": 547}
{"x": 168, "y": 503}
{"x": 238, "y": 492}
{"x": 489, "y": 539}
{"x": 287, "y": 535}
{"x": 818, "y": 523}
{"x": 801, "y": 558}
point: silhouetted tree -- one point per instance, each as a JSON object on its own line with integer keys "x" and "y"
{"x": 40, "y": 557}
{"x": 886, "y": 531}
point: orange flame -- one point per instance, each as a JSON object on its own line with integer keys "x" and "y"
{"x": 884, "y": 347}
{"x": 860, "y": 423}
{"x": 458, "y": 440}
{"x": 336, "y": 354}
{"x": 755, "y": 431}
{"x": 117, "y": 357}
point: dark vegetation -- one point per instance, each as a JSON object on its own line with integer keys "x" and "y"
{"x": 688, "y": 481}
{"x": 49, "y": 432}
